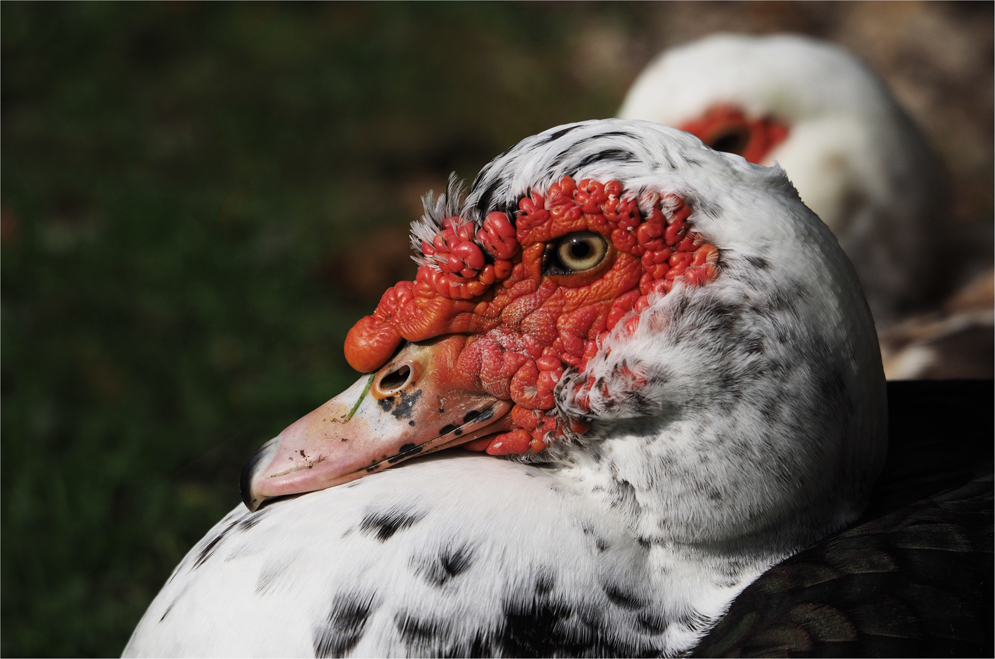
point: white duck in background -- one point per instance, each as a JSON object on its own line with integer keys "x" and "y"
{"x": 854, "y": 156}
{"x": 669, "y": 343}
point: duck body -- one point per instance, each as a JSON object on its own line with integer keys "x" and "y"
{"x": 729, "y": 417}
{"x": 871, "y": 589}
{"x": 422, "y": 562}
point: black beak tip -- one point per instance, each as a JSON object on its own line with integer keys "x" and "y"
{"x": 262, "y": 456}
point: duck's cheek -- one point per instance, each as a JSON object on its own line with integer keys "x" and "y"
{"x": 622, "y": 277}
{"x": 541, "y": 335}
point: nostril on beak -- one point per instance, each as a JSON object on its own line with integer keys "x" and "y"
{"x": 394, "y": 381}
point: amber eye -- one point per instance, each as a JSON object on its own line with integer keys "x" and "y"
{"x": 733, "y": 139}
{"x": 577, "y": 252}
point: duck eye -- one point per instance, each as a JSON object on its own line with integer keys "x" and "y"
{"x": 733, "y": 139}
{"x": 582, "y": 251}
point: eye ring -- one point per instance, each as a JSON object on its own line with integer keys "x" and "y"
{"x": 578, "y": 252}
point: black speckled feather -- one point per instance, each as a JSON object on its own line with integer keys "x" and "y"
{"x": 913, "y": 577}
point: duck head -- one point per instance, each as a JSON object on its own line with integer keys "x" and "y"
{"x": 617, "y": 298}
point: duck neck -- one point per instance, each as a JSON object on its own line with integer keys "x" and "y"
{"x": 676, "y": 496}
{"x": 696, "y": 571}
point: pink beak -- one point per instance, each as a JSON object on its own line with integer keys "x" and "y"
{"x": 408, "y": 408}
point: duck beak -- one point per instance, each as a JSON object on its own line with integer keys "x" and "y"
{"x": 416, "y": 404}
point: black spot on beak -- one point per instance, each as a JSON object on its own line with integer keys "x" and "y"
{"x": 406, "y": 451}
{"x": 405, "y": 405}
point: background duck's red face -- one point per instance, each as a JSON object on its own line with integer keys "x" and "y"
{"x": 726, "y": 128}
{"x": 494, "y": 317}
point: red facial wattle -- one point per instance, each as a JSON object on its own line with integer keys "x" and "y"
{"x": 726, "y": 128}
{"x": 526, "y": 325}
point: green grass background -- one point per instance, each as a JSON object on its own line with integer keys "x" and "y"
{"x": 181, "y": 186}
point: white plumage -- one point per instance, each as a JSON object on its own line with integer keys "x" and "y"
{"x": 757, "y": 425}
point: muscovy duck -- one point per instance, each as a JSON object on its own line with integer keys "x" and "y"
{"x": 671, "y": 351}
{"x": 855, "y": 157}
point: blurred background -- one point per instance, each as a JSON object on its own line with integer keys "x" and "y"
{"x": 198, "y": 200}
